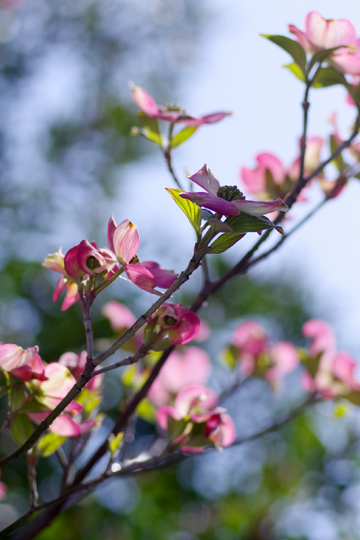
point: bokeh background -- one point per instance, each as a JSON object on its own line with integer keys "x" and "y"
{"x": 67, "y": 162}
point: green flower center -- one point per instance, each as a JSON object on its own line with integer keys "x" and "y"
{"x": 92, "y": 263}
{"x": 135, "y": 260}
{"x": 230, "y": 193}
{"x": 169, "y": 321}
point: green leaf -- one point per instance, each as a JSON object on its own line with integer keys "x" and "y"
{"x": 49, "y": 443}
{"x": 246, "y": 223}
{"x": 114, "y": 442}
{"x": 311, "y": 363}
{"x": 182, "y": 136}
{"x": 17, "y": 397}
{"x": 22, "y": 428}
{"x": 296, "y": 70}
{"x": 190, "y": 209}
{"x": 320, "y": 56}
{"x": 328, "y": 76}
{"x": 290, "y": 46}
{"x": 33, "y": 406}
{"x": 354, "y": 91}
{"x": 146, "y": 410}
{"x": 224, "y": 242}
{"x": 175, "y": 427}
{"x": 230, "y": 356}
{"x": 149, "y": 331}
{"x": 161, "y": 345}
{"x": 199, "y": 441}
{"x": 339, "y": 161}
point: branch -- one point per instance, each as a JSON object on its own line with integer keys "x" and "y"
{"x": 90, "y": 365}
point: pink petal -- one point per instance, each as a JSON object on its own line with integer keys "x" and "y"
{"x": 71, "y": 263}
{"x": 60, "y": 287}
{"x": 273, "y": 164}
{"x": 125, "y": 241}
{"x": 111, "y": 230}
{"x": 253, "y": 180}
{"x": 71, "y": 297}
{"x": 344, "y": 367}
{"x": 186, "y": 330}
{"x": 86, "y": 250}
{"x": 207, "y": 119}
{"x": 255, "y": 208}
{"x": 188, "y": 366}
{"x": 143, "y": 100}
{"x": 205, "y": 179}
{"x": 323, "y": 340}
{"x": 3, "y": 490}
{"x": 141, "y": 277}
{"x": 225, "y": 434}
{"x": 325, "y": 34}
{"x": 212, "y": 202}
{"x": 12, "y": 356}
{"x": 347, "y": 62}
{"x": 195, "y": 396}
{"x": 250, "y": 337}
{"x": 163, "y": 413}
{"x": 119, "y": 315}
{"x": 32, "y": 370}
{"x": 301, "y": 38}
{"x": 164, "y": 278}
{"x": 285, "y": 359}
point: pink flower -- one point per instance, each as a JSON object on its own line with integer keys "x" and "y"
{"x": 257, "y": 357}
{"x": 227, "y": 200}
{"x": 32, "y": 370}
{"x": 56, "y": 262}
{"x": 321, "y": 34}
{"x": 86, "y": 258}
{"x": 170, "y": 114}
{"x": 64, "y": 424}
{"x": 335, "y": 375}
{"x": 184, "y": 367}
{"x": 76, "y": 365}
{"x": 281, "y": 180}
{"x": 121, "y": 319}
{"x": 251, "y": 341}
{"x": 14, "y": 357}
{"x": 124, "y": 242}
{"x": 196, "y": 407}
{"x": 181, "y": 324}
{"x": 3, "y": 490}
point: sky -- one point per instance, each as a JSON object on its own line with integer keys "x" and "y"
{"x": 238, "y": 70}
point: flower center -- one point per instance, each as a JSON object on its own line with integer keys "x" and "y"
{"x": 230, "y": 193}
{"x": 135, "y": 260}
{"x": 169, "y": 321}
{"x": 92, "y": 263}
{"x": 173, "y": 108}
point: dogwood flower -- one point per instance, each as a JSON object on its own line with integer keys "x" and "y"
{"x": 227, "y": 200}
{"x": 271, "y": 179}
{"x": 124, "y": 242}
{"x": 321, "y": 34}
{"x": 14, "y": 357}
{"x": 181, "y": 324}
{"x": 188, "y": 366}
{"x": 175, "y": 115}
{"x": 195, "y": 421}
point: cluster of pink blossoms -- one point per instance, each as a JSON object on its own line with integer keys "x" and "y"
{"x": 45, "y": 385}
{"x": 178, "y": 392}
{"x": 328, "y": 372}
{"x": 86, "y": 260}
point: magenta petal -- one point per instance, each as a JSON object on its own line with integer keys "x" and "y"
{"x": 72, "y": 296}
{"x": 186, "y": 330}
{"x": 60, "y": 287}
{"x": 86, "y": 250}
{"x": 225, "y": 434}
{"x": 71, "y": 263}
{"x": 163, "y": 413}
{"x": 212, "y": 202}
{"x": 256, "y": 208}
{"x": 140, "y": 276}
{"x": 143, "y": 100}
{"x": 111, "y": 230}
{"x": 301, "y": 38}
{"x": 164, "y": 278}
{"x": 205, "y": 179}
{"x": 126, "y": 241}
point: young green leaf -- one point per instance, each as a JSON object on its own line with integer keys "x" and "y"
{"x": 296, "y": 70}
{"x": 190, "y": 209}
{"x": 320, "y": 56}
{"x": 49, "y": 443}
{"x": 224, "y": 242}
{"x": 150, "y": 129}
{"x": 22, "y": 428}
{"x": 292, "y": 47}
{"x": 246, "y": 223}
{"x": 182, "y": 136}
